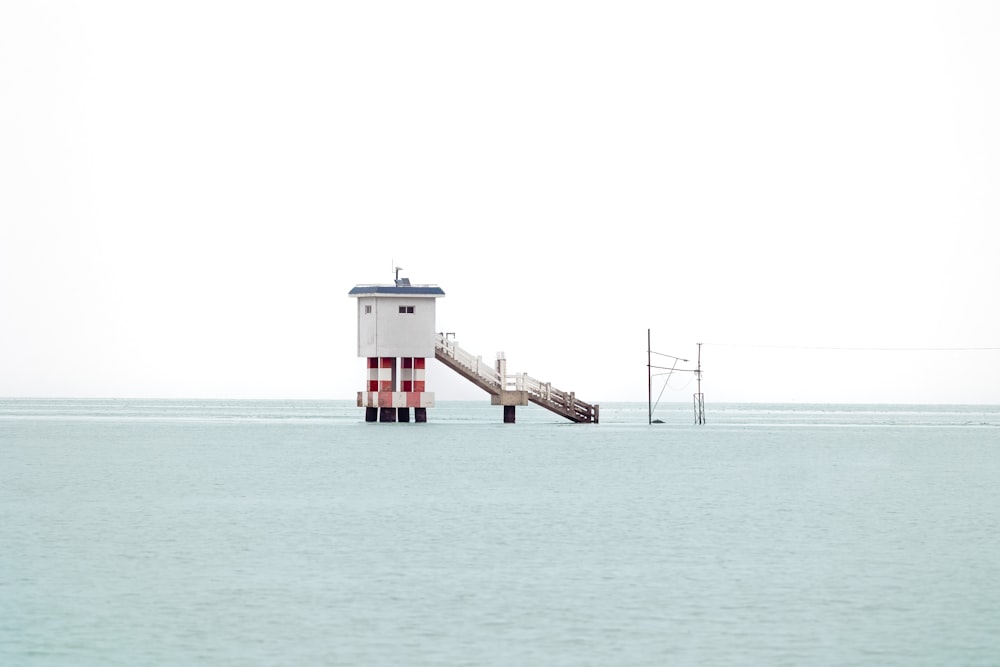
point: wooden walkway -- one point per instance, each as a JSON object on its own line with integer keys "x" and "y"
{"x": 513, "y": 389}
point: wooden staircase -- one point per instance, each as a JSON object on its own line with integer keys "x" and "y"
{"x": 513, "y": 389}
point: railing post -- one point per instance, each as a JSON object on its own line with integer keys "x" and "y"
{"x": 502, "y": 370}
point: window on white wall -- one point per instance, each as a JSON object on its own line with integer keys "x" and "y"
{"x": 406, "y": 309}
{"x": 368, "y": 310}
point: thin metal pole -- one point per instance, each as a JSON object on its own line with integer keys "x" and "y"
{"x": 699, "y": 368}
{"x": 699, "y": 398}
{"x": 649, "y": 371}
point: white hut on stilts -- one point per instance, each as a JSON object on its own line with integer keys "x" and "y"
{"x": 396, "y": 334}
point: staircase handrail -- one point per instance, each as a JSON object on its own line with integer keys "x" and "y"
{"x": 467, "y": 360}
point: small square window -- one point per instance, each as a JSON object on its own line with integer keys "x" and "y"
{"x": 406, "y": 309}
{"x": 368, "y": 310}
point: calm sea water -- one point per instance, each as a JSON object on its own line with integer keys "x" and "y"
{"x": 292, "y": 533}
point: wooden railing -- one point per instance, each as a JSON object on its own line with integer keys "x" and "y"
{"x": 489, "y": 378}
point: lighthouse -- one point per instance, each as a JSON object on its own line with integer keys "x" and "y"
{"x": 396, "y": 334}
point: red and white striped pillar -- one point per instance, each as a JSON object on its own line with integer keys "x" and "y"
{"x": 413, "y": 375}
{"x": 413, "y": 384}
{"x": 383, "y": 403}
{"x": 381, "y": 382}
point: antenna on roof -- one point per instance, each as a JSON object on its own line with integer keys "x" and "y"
{"x": 401, "y": 282}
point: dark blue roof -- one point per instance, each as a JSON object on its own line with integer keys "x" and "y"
{"x": 411, "y": 290}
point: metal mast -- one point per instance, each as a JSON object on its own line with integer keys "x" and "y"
{"x": 649, "y": 371}
{"x": 699, "y": 398}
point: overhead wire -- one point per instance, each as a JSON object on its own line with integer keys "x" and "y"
{"x": 856, "y": 349}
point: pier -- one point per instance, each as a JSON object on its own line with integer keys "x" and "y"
{"x": 512, "y": 389}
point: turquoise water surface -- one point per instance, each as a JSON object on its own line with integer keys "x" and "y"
{"x": 165, "y": 532}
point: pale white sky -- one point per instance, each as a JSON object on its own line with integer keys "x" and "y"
{"x": 188, "y": 190}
